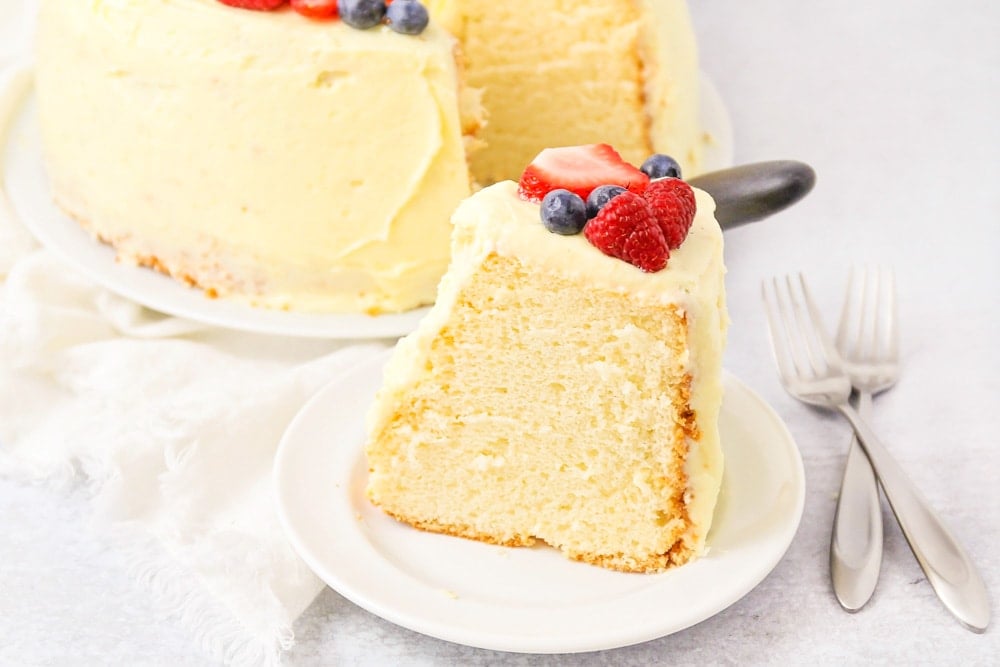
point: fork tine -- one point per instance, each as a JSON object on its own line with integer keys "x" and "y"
{"x": 797, "y": 351}
{"x": 846, "y": 314}
{"x": 877, "y": 317}
{"x": 807, "y": 328}
{"x": 830, "y": 356}
{"x": 861, "y": 349}
{"x": 783, "y": 333}
{"x": 891, "y": 335}
{"x": 779, "y": 346}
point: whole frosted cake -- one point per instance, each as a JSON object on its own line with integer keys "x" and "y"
{"x": 565, "y": 388}
{"x": 295, "y": 163}
{"x": 311, "y": 165}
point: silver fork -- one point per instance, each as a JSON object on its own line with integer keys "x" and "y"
{"x": 868, "y": 342}
{"x": 811, "y": 370}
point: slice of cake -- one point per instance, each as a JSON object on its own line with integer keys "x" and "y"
{"x": 554, "y": 73}
{"x": 565, "y": 387}
{"x": 290, "y": 162}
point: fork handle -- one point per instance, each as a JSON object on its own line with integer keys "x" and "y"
{"x": 856, "y": 543}
{"x": 948, "y": 568}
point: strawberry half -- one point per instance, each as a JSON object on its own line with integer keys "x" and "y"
{"x": 258, "y": 5}
{"x": 316, "y": 9}
{"x": 579, "y": 169}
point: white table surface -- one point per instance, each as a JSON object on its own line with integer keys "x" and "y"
{"x": 895, "y": 104}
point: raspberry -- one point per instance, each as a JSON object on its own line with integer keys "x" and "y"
{"x": 647, "y": 249}
{"x": 674, "y": 206}
{"x": 257, "y": 5}
{"x": 626, "y": 228}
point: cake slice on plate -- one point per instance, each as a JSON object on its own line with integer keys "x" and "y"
{"x": 566, "y": 386}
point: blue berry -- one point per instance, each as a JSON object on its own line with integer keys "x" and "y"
{"x": 563, "y": 212}
{"x": 407, "y": 16}
{"x": 600, "y": 196}
{"x": 361, "y": 14}
{"x": 661, "y": 166}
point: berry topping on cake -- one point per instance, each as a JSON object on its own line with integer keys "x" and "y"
{"x": 659, "y": 165}
{"x": 407, "y": 16}
{"x": 257, "y": 5}
{"x": 626, "y": 228}
{"x": 361, "y": 14}
{"x": 316, "y": 9}
{"x": 600, "y": 196}
{"x": 578, "y": 169}
{"x": 673, "y": 204}
{"x": 563, "y": 212}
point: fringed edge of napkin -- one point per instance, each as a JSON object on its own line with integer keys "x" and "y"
{"x": 178, "y": 593}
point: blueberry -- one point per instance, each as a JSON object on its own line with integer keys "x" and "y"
{"x": 661, "y": 166}
{"x": 361, "y": 14}
{"x": 563, "y": 212}
{"x": 407, "y": 16}
{"x": 600, "y": 196}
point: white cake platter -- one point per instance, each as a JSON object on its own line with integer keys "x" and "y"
{"x": 526, "y": 599}
{"x": 28, "y": 189}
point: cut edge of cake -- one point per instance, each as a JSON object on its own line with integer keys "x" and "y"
{"x": 643, "y": 54}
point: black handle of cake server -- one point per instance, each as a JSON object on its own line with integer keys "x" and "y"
{"x": 755, "y": 191}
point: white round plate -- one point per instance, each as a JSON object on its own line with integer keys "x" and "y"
{"x": 28, "y": 189}
{"x": 525, "y": 599}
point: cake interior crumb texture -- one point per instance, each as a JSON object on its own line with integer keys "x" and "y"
{"x": 623, "y": 72}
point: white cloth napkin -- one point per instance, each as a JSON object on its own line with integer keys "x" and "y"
{"x": 173, "y": 427}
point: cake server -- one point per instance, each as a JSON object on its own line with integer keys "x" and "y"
{"x": 755, "y": 191}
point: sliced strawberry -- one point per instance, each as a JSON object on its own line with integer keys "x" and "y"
{"x": 258, "y": 5}
{"x": 626, "y": 228}
{"x": 316, "y": 9}
{"x": 579, "y": 169}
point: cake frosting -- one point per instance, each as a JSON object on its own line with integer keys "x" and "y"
{"x": 292, "y": 163}
{"x": 556, "y": 393}
{"x": 623, "y": 72}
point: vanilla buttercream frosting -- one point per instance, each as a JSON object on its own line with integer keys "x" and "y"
{"x": 291, "y": 163}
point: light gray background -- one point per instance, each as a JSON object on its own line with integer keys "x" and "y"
{"x": 896, "y": 106}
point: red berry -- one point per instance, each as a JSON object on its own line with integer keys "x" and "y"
{"x": 579, "y": 169}
{"x": 626, "y": 228}
{"x": 316, "y": 9}
{"x": 258, "y": 5}
{"x": 674, "y": 207}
